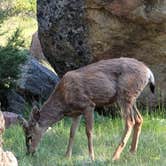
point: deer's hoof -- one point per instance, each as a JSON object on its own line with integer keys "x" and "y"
{"x": 68, "y": 155}
{"x": 115, "y": 158}
{"x": 133, "y": 152}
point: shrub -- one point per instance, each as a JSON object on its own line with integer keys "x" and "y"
{"x": 25, "y": 7}
{"x": 11, "y": 57}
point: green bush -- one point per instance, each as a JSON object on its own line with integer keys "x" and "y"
{"x": 11, "y": 57}
{"x": 10, "y": 8}
{"x": 26, "y": 6}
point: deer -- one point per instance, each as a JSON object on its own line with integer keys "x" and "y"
{"x": 119, "y": 80}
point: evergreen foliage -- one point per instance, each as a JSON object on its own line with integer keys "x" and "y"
{"x": 11, "y": 56}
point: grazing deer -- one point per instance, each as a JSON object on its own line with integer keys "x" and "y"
{"x": 118, "y": 80}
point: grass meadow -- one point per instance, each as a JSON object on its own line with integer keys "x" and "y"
{"x": 107, "y": 133}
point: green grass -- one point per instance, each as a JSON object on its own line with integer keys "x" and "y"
{"x": 28, "y": 26}
{"x": 107, "y": 133}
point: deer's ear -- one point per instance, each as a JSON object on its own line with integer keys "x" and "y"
{"x": 35, "y": 114}
{"x": 22, "y": 121}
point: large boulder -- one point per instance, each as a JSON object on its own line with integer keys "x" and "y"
{"x": 63, "y": 33}
{"x": 36, "y": 83}
{"x": 75, "y": 33}
{"x": 36, "y": 80}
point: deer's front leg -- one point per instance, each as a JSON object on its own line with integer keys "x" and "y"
{"x": 74, "y": 126}
{"x": 89, "y": 118}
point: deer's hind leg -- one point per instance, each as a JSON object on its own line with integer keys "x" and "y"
{"x": 137, "y": 129}
{"x": 74, "y": 126}
{"x": 129, "y": 123}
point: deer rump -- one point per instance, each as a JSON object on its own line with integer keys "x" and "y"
{"x": 104, "y": 83}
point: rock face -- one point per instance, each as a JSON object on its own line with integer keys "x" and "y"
{"x": 63, "y": 33}
{"x": 78, "y": 32}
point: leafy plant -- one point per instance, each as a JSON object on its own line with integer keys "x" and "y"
{"x": 26, "y": 6}
{"x": 11, "y": 57}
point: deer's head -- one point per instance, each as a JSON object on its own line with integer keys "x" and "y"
{"x": 33, "y": 132}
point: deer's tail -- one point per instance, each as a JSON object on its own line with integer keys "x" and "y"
{"x": 151, "y": 81}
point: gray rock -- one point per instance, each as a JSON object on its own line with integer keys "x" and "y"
{"x": 10, "y": 118}
{"x": 15, "y": 102}
{"x": 36, "y": 80}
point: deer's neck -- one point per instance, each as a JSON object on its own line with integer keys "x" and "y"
{"x": 51, "y": 112}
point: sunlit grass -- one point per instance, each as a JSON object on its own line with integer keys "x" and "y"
{"x": 107, "y": 132}
{"x": 27, "y": 25}
{"x": 17, "y": 14}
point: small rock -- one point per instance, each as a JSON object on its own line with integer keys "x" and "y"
{"x": 10, "y": 118}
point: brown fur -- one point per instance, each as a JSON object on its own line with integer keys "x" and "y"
{"x": 118, "y": 80}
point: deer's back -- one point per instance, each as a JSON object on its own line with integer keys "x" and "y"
{"x": 104, "y": 81}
